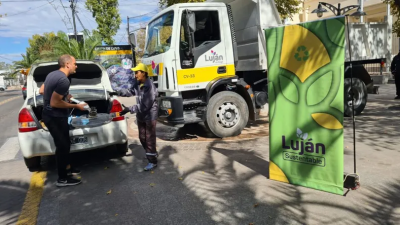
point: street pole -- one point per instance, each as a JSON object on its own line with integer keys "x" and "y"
{"x": 73, "y": 18}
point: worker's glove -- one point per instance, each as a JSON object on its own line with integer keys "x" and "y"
{"x": 125, "y": 110}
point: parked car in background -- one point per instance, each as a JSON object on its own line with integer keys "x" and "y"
{"x": 24, "y": 91}
{"x": 3, "y": 85}
{"x": 101, "y": 127}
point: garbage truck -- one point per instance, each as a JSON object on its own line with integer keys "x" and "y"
{"x": 209, "y": 63}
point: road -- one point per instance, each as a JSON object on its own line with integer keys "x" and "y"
{"x": 10, "y": 103}
{"x": 14, "y": 178}
{"x": 213, "y": 181}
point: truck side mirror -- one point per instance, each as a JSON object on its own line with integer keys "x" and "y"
{"x": 191, "y": 28}
{"x": 191, "y": 21}
{"x": 132, "y": 39}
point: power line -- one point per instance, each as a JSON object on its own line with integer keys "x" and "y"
{"x": 66, "y": 13}
{"x": 76, "y": 14}
{"x": 143, "y": 14}
{"x": 25, "y": 11}
{"x": 55, "y": 8}
{"x": 7, "y": 58}
{"x": 25, "y": 1}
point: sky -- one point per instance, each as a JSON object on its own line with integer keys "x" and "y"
{"x": 28, "y": 17}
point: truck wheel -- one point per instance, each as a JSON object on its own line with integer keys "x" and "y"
{"x": 360, "y": 96}
{"x": 227, "y": 114}
{"x": 33, "y": 163}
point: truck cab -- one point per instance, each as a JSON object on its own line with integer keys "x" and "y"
{"x": 187, "y": 47}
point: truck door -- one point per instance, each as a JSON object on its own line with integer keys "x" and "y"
{"x": 209, "y": 59}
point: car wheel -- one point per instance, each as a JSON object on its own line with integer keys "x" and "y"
{"x": 33, "y": 163}
{"x": 122, "y": 149}
{"x": 1, "y": 89}
{"x": 359, "y": 93}
{"x": 227, "y": 114}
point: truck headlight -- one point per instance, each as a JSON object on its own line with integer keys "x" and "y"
{"x": 166, "y": 104}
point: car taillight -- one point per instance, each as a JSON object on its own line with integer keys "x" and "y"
{"x": 115, "y": 110}
{"x": 26, "y": 123}
{"x": 24, "y": 88}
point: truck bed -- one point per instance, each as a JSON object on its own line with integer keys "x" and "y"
{"x": 250, "y": 19}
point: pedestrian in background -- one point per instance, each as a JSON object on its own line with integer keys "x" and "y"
{"x": 395, "y": 69}
{"x": 146, "y": 110}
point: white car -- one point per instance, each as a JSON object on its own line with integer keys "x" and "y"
{"x": 91, "y": 84}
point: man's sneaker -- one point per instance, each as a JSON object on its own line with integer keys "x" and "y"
{"x": 67, "y": 182}
{"x": 73, "y": 172}
{"x": 150, "y": 166}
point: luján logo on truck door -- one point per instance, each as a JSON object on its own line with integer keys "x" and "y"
{"x": 214, "y": 57}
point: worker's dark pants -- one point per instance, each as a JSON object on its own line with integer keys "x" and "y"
{"x": 397, "y": 82}
{"x": 147, "y": 136}
{"x": 59, "y": 130}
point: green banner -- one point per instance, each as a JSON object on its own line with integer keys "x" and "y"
{"x": 306, "y": 72}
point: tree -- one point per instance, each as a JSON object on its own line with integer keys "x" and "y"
{"x": 42, "y": 46}
{"x": 140, "y": 40}
{"x": 395, "y": 10}
{"x": 26, "y": 62}
{"x": 286, "y": 8}
{"x": 107, "y": 17}
{"x": 80, "y": 50}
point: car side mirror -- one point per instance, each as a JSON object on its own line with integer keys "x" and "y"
{"x": 132, "y": 39}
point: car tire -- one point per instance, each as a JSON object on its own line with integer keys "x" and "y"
{"x": 360, "y": 99}
{"x": 1, "y": 89}
{"x": 233, "y": 123}
{"x": 122, "y": 149}
{"x": 33, "y": 164}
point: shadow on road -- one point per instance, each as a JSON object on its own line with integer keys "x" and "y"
{"x": 11, "y": 191}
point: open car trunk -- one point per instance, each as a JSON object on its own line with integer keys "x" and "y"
{"x": 90, "y": 83}
{"x": 80, "y": 119}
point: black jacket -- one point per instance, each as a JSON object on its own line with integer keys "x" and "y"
{"x": 395, "y": 66}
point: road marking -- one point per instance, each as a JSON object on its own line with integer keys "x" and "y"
{"x": 10, "y": 149}
{"x": 7, "y": 100}
{"x": 30, "y": 208}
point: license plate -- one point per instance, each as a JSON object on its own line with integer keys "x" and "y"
{"x": 79, "y": 140}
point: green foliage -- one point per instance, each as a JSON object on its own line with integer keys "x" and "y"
{"x": 80, "y": 50}
{"x": 286, "y": 8}
{"x": 41, "y": 47}
{"x": 27, "y": 60}
{"x": 107, "y": 17}
{"x": 49, "y": 46}
{"x": 395, "y": 10}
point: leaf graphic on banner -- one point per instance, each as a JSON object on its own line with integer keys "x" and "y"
{"x": 289, "y": 89}
{"x": 301, "y": 135}
{"x": 327, "y": 121}
{"x": 319, "y": 89}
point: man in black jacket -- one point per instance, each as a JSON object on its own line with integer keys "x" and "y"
{"x": 395, "y": 68}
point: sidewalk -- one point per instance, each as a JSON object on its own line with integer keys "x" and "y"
{"x": 196, "y": 132}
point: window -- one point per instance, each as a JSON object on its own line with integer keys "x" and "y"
{"x": 159, "y": 35}
{"x": 206, "y": 36}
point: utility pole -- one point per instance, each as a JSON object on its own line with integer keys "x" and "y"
{"x": 73, "y": 17}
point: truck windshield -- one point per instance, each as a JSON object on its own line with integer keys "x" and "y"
{"x": 159, "y": 35}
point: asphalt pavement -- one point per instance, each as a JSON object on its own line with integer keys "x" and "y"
{"x": 14, "y": 177}
{"x": 212, "y": 181}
